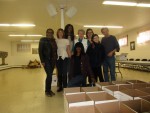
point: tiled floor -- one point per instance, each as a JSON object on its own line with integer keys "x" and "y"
{"x": 22, "y": 91}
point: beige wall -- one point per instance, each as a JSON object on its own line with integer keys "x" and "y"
{"x": 23, "y": 58}
{"x": 141, "y": 50}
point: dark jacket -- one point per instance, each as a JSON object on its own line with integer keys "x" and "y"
{"x": 47, "y": 49}
{"x": 96, "y": 54}
{"x": 85, "y": 67}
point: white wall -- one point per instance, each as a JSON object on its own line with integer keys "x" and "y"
{"x": 23, "y": 58}
{"x": 5, "y": 45}
{"x": 141, "y": 50}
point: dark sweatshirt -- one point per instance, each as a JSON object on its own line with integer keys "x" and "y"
{"x": 96, "y": 54}
{"x": 110, "y": 43}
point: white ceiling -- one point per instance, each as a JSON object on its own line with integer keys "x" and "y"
{"x": 89, "y": 12}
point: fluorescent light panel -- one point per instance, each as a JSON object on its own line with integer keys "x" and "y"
{"x": 17, "y": 25}
{"x": 126, "y": 3}
{"x": 29, "y": 40}
{"x": 11, "y": 35}
{"x": 101, "y": 26}
{"x": 119, "y": 3}
{"x": 143, "y": 5}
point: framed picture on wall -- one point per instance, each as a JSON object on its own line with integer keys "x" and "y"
{"x": 34, "y": 50}
{"x": 132, "y": 45}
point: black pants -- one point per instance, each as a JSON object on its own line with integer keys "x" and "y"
{"x": 62, "y": 72}
{"x": 49, "y": 68}
{"x": 98, "y": 73}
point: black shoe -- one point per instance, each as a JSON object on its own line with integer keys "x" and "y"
{"x": 48, "y": 94}
{"x": 52, "y": 93}
{"x": 59, "y": 89}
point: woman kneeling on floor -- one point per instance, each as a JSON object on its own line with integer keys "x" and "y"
{"x": 79, "y": 67}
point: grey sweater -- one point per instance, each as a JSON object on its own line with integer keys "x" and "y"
{"x": 110, "y": 43}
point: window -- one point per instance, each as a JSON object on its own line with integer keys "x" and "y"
{"x": 123, "y": 41}
{"x": 143, "y": 37}
{"x": 23, "y": 47}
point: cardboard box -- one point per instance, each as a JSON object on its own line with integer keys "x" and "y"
{"x": 139, "y": 85}
{"x": 120, "y": 82}
{"x": 146, "y": 90}
{"x": 147, "y": 98}
{"x": 72, "y": 90}
{"x": 80, "y": 99}
{"x": 76, "y": 100}
{"x": 101, "y": 97}
{"x": 138, "y": 106}
{"x": 90, "y": 89}
{"x": 128, "y": 86}
{"x": 83, "y": 109}
{"x": 132, "y": 94}
{"x": 115, "y": 91}
{"x": 113, "y": 107}
{"x": 103, "y": 84}
{"x": 135, "y": 81}
{"x": 148, "y": 84}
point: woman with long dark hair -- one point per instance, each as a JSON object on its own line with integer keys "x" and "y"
{"x": 79, "y": 67}
{"x": 89, "y": 34}
{"x": 69, "y": 34}
{"x": 63, "y": 52}
{"x": 96, "y": 55}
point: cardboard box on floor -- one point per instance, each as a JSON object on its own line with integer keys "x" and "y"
{"x": 148, "y": 84}
{"x": 120, "y": 82}
{"x": 103, "y": 84}
{"x": 115, "y": 91}
{"x": 83, "y": 109}
{"x": 78, "y": 99}
{"x": 138, "y": 106}
{"x": 133, "y": 94}
{"x": 146, "y": 90}
{"x": 101, "y": 97}
{"x": 113, "y": 107}
{"x": 147, "y": 98}
{"x": 139, "y": 85}
{"x": 135, "y": 81}
{"x": 72, "y": 90}
{"x": 91, "y": 89}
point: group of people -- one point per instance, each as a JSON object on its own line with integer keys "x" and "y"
{"x": 77, "y": 59}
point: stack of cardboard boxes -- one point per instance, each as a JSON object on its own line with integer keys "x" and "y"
{"x": 132, "y": 96}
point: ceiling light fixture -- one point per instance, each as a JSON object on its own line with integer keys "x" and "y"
{"x": 125, "y": 3}
{"x": 26, "y": 40}
{"x": 101, "y": 26}
{"x": 119, "y": 3}
{"x": 12, "y": 35}
{"x": 29, "y": 40}
{"x": 17, "y": 25}
{"x": 143, "y": 5}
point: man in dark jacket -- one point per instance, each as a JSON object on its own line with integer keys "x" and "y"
{"x": 48, "y": 57}
{"x": 111, "y": 46}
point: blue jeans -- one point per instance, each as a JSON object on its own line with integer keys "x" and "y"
{"x": 77, "y": 81}
{"x": 109, "y": 65}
